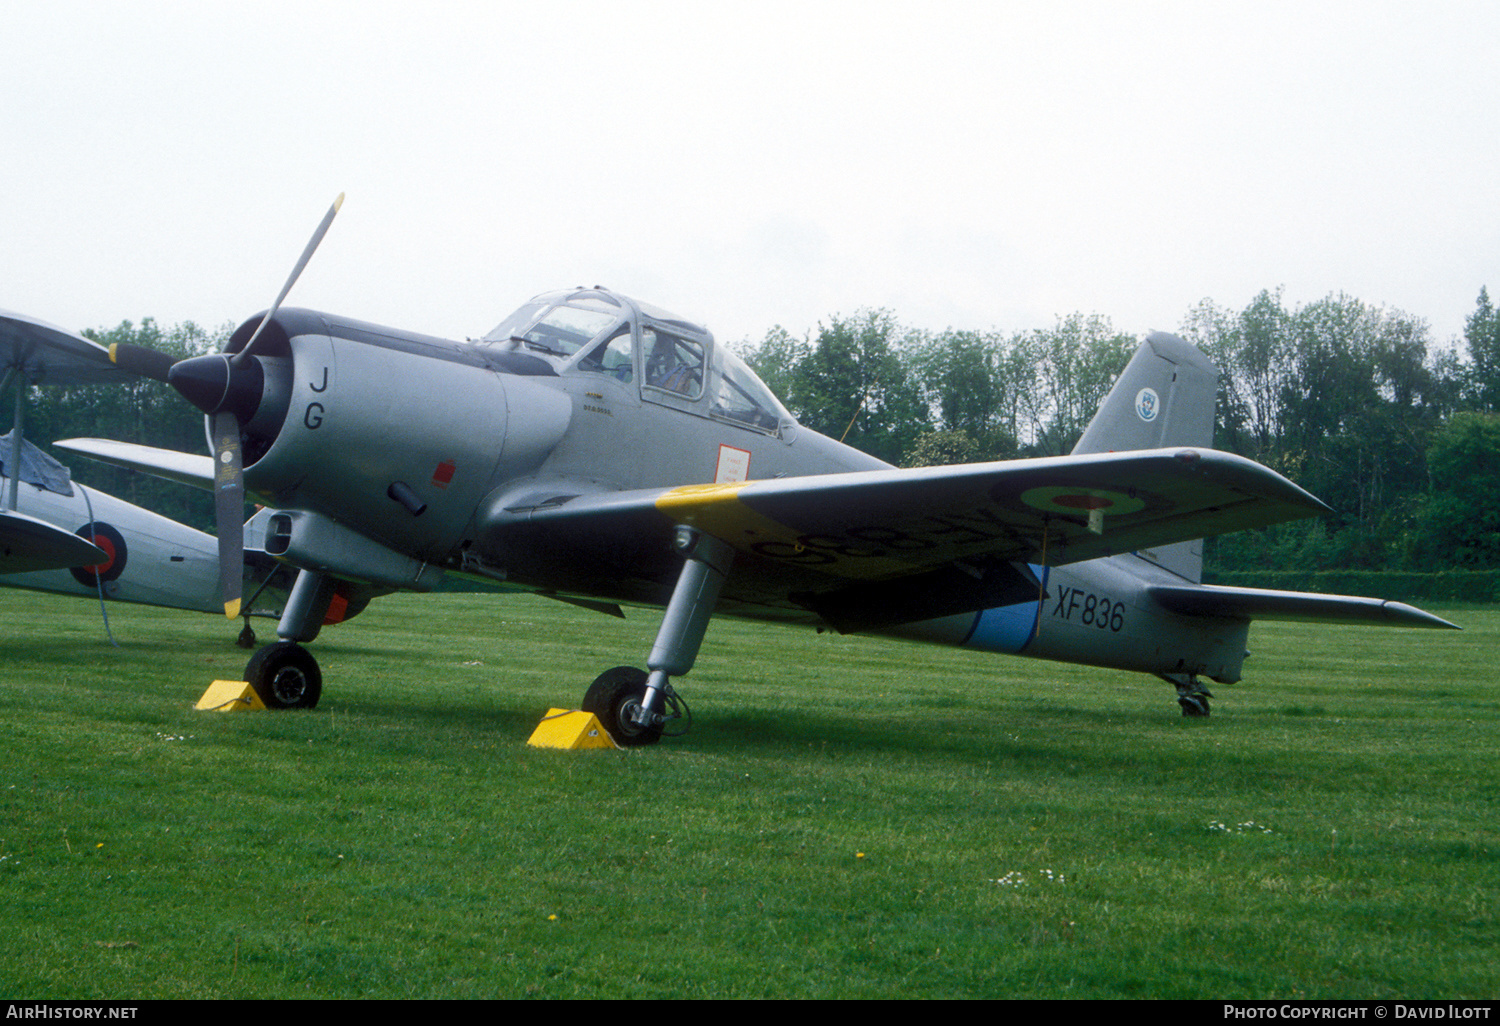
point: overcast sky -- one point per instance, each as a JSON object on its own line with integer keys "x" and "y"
{"x": 981, "y": 165}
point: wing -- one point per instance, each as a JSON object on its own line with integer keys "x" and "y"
{"x": 1296, "y": 606}
{"x": 28, "y": 544}
{"x": 874, "y": 548}
{"x": 186, "y": 468}
{"x": 49, "y": 355}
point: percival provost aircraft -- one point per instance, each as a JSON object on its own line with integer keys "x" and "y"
{"x": 58, "y": 535}
{"x": 602, "y": 451}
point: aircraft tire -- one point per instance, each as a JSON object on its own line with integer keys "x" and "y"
{"x": 612, "y": 694}
{"x": 285, "y": 676}
{"x": 1194, "y": 706}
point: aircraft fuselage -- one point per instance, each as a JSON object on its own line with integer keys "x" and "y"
{"x": 1100, "y": 614}
{"x": 149, "y": 558}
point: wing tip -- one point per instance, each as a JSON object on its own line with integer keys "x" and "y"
{"x": 1410, "y": 616}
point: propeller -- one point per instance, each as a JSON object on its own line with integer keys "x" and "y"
{"x": 227, "y": 388}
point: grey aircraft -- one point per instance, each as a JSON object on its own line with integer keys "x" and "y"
{"x": 602, "y": 451}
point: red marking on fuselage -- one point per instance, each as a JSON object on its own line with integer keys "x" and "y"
{"x": 338, "y": 608}
{"x": 109, "y": 554}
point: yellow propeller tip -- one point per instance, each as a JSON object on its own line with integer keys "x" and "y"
{"x": 232, "y": 609}
{"x": 113, "y": 357}
{"x": 338, "y": 202}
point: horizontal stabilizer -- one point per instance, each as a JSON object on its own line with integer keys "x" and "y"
{"x": 186, "y": 468}
{"x": 1295, "y": 606}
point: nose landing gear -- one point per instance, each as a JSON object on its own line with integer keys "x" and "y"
{"x": 284, "y": 674}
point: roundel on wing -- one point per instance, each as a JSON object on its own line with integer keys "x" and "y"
{"x": 1065, "y": 499}
{"x": 113, "y": 544}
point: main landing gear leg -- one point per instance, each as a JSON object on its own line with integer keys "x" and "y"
{"x": 1191, "y": 694}
{"x": 285, "y": 675}
{"x": 629, "y": 702}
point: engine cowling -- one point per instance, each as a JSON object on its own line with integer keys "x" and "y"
{"x": 395, "y": 435}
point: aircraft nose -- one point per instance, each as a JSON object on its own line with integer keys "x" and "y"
{"x": 215, "y": 385}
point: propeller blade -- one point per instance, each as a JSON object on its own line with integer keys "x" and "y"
{"x": 229, "y": 509}
{"x": 148, "y": 363}
{"x": 307, "y": 253}
{"x": 217, "y": 386}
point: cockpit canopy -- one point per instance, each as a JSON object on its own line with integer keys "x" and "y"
{"x": 673, "y": 362}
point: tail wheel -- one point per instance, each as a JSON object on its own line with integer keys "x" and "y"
{"x": 285, "y": 676}
{"x": 614, "y": 697}
{"x": 1195, "y": 706}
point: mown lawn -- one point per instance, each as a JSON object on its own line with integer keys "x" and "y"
{"x": 849, "y": 817}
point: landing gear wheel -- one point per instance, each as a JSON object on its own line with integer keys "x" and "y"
{"x": 1191, "y": 694}
{"x": 247, "y": 636}
{"x": 285, "y": 676}
{"x": 614, "y": 697}
{"x": 1195, "y": 706}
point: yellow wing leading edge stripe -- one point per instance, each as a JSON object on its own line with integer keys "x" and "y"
{"x": 718, "y": 510}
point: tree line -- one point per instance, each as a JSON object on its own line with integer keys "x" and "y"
{"x": 1353, "y": 402}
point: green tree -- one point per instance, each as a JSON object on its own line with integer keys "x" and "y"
{"x": 776, "y": 358}
{"x": 945, "y": 448}
{"x": 1460, "y": 520}
{"x": 963, "y": 375}
{"x": 851, "y": 382}
{"x": 1482, "y": 333}
{"x": 1357, "y": 414}
{"x": 1255, "y": 355}
{"x": 1076, "y": 363}
{"x": 1341, "y": 397}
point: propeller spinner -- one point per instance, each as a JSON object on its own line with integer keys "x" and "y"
{"x": 227, "y": 388}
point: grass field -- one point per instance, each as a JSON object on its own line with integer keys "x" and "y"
{"x": 850, "y": 817}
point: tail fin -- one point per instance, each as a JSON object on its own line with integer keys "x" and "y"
{"x": 1165, "y": 397}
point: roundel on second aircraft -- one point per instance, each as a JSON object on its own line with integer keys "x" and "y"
{"x": 113, "y": 544}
